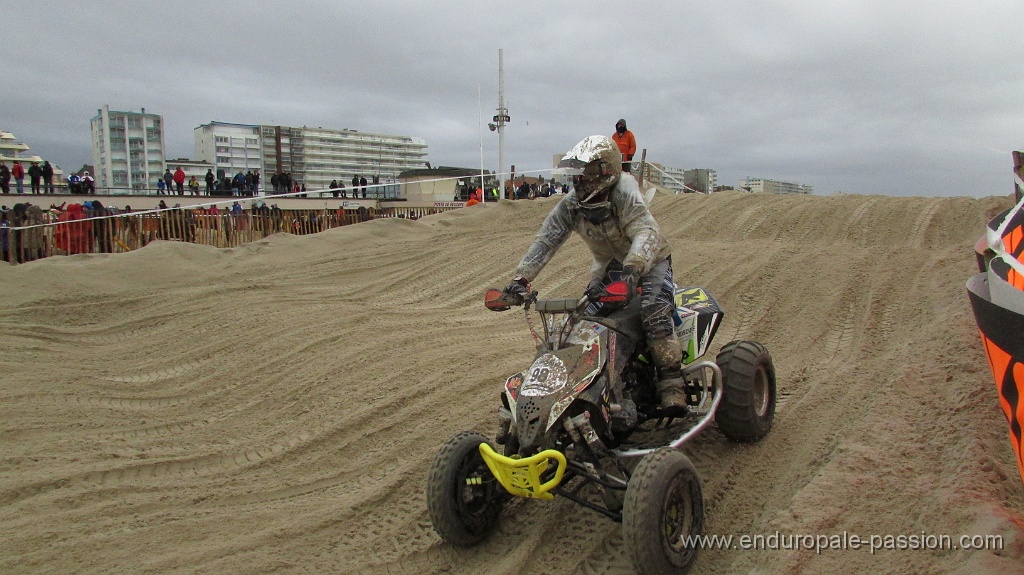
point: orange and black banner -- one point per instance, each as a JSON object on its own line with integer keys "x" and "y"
{"x": 1002, "y": 334}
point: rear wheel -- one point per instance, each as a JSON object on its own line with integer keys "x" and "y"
{"x": 463, "y": 497}
{"x": 663, "y": 511}
{"x": 748, "y": 391}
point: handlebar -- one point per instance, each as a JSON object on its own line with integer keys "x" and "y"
{"x": 613, "y": 294}
{"x": 498, "y": 300}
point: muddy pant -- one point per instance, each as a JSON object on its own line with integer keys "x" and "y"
{"x": 658, "y": 300}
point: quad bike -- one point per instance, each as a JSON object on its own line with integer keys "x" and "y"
{"x": 572, "y": 424}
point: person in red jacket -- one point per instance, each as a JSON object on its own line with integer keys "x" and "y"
{"x": 179, "y": 181}
{"x": 19, "y": 176}
{"x": 626, "y": 142}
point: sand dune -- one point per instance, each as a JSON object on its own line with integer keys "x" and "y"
{"x": 274, "y": 407}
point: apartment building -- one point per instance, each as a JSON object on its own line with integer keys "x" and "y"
{"x": 313, "y": 156}
{"x": 679, "y": 180}
{"x": 763, "y": 186}
{"x": 230, "y": 148}
{"x": 127, "y": 149}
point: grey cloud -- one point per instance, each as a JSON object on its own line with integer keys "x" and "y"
{"x": 909, "y": 98}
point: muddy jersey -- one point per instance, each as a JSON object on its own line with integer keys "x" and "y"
{"x": 629, "y": 235}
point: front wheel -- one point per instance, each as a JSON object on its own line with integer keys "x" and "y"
{"x": 748, "y": 391}
{"x": 463, "y": 497}
{"x": 662, "y": 514}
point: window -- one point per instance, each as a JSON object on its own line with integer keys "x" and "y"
{"x": 222, "y": 139}
{"x": 135, "y": 123}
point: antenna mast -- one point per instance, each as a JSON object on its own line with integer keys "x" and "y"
{"x": 500, "y": 120}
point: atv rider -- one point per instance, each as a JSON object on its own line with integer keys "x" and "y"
{"x": 606, "y": 209}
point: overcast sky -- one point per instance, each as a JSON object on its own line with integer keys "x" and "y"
{"x": 878, "y": 97}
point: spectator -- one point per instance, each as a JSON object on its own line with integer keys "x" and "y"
{"x": 5, "y": 178}
{"x": 75, "y": 184}
{"x": 334, "y": 188}
{"x": 35, "y": 173}
{"x": 160, "y": 187}
{"x": 275, "y": 182}
{"x": 168, "y": 181}
{"x": 19, "y": 176}
{"x": 626, "y": 142}
{"x": 524, "y": 191}
{"x": 48, "y": 178}
{"x": 88, "y": 184}
{"x": 179, "y": 180}
{"x": 362, "y": 184}
{"x": 355, "y": 186}
{"x": 102, "y": 228}
{"x": 341, "y": 185}
{"x": 209, "y": 181}
{"x": 255, "y": 182}
{"x": 193, "y": 186}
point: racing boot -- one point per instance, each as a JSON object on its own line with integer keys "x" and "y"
{"x": 667, "y": 356}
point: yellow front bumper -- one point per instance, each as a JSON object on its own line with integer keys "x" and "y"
{"x": 522, "y": 477}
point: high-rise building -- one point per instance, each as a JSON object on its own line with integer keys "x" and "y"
{"x": 313, "y": 156}
{"x": 127, "y": 149}
{"x": 231, "y": 148}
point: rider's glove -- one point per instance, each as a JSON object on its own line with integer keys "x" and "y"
{"x": 631, "y": 276}
{"x": 519, "y": 287}
{"x": 594, "y": 289}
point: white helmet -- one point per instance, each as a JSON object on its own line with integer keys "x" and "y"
{"x": 595, "y": 165}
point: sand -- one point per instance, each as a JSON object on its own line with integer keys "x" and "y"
{"x": 273, "y": 408}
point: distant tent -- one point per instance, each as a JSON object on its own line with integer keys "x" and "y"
{"x": 997, "y": 297}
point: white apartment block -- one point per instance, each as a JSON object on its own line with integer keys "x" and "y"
{"x": 127, "y": 149}
{"x": 230, "y": 148}
{"x": 679, "y": 180}
{"x": 762, "y": 186}
{"x": 313, "y": 156}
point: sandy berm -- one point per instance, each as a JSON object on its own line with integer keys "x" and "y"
{"x": 274, "y": 408}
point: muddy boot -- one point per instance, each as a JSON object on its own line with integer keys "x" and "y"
{"x": 667, "y": 356}
{"x": 671, "y": 388}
